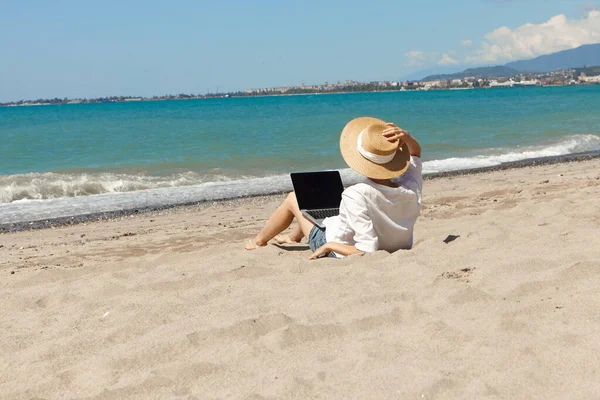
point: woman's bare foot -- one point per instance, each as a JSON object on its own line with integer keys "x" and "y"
{"x": 251, "y": 244}
{"x": 285, "y": 239}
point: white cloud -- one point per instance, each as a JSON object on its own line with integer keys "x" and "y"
{"x": 532, "y": 40}
{"x": 585, "y": 8}
{"x": 466, "y": 43}
{"x": 447, "y": 60}
{"x": 415, "y": 58}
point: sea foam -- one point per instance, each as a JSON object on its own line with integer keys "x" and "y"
{"x": 571, "y": 145}
{"x": 32, "y": 197}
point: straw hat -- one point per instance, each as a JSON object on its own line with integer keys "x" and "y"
{"x": 369, "y": 153}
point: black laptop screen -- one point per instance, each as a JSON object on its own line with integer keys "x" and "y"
{"x": 316, "y": 190}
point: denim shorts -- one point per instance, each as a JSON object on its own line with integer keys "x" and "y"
{"x": 316, "y": 239}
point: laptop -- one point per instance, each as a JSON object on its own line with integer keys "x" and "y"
{"x": 319, "y": 194}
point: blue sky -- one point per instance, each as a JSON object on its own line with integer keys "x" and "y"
{"x": 81, "y": 48}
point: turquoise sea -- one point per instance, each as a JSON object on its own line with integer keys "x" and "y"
{"x": 75, "y": 159}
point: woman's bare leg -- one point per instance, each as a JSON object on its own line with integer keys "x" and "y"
{"x": 279, "y": 221}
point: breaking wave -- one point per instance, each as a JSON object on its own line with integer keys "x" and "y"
{"x": 571, "y": 145}
{"x": 51, "y": 185}
{"x": 40, "y": 196}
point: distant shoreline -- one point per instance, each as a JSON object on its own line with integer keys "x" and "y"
{"x": 230, "y": 96}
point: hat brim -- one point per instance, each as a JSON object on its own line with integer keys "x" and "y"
{"x": 396, "y": 167}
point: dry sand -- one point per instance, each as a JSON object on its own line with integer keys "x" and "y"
{"x": 169, "y": 305}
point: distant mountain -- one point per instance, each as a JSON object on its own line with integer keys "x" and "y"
{"x": 482, "y": 72}
{"x": 417, "y": 75}
{"x": 588, "y": 54}
{"x": 581, "y": 56}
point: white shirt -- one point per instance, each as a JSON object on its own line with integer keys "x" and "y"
{"x": 377, "y": 217}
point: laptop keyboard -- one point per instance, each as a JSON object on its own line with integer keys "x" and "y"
{"x": 323, "y": 213}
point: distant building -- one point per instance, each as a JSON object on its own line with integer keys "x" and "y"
{"x": 533, "y": 82}
{"x": 589, "y": 79}
{"x": 593, "y": 79}
{"x": 432, "y": 83}
{"x": 495, "y": 83}
{"x": 411, "y": 85}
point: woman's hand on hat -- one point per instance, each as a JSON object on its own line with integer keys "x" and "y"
{"x": 395, "y": 134}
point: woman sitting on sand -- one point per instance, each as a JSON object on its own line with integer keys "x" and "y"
{"x": 378, "y": 214}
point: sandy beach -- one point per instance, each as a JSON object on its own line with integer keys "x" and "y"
{"x": 498, "y": 299}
